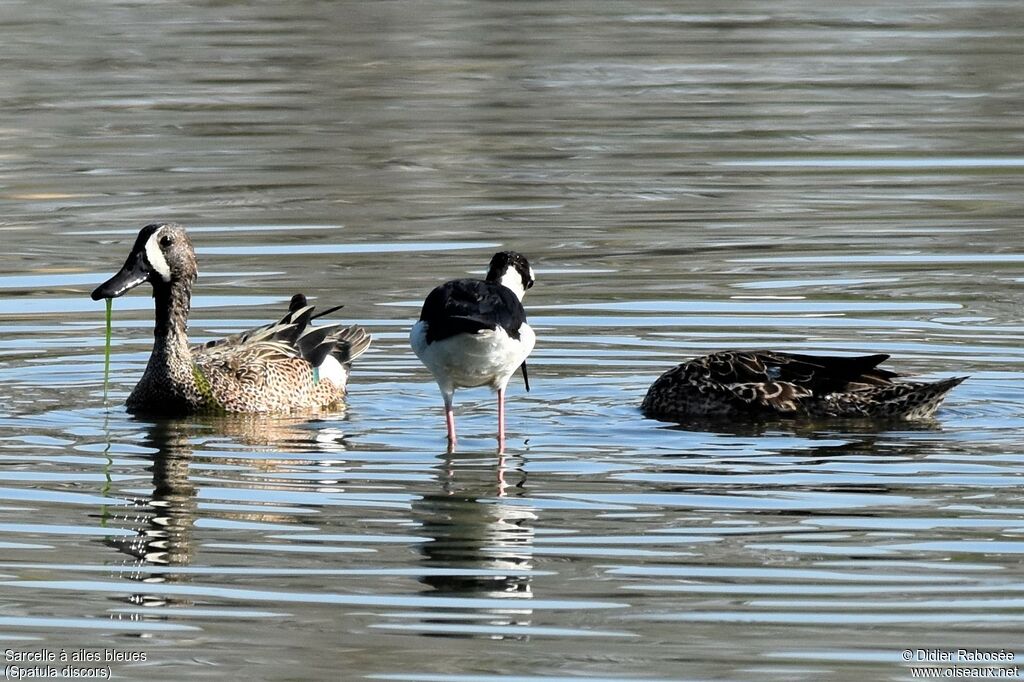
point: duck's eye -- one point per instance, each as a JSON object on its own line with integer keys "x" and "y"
{"x": 166, "y": 240}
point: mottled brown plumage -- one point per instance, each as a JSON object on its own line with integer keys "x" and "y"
{"x": 768, "y": 383}
{"x": 286, "y": 366}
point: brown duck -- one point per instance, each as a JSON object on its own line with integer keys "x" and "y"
{"x": 286, "y": 366}
{"x": 773, "y": 384}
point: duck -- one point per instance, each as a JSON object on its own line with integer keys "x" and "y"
{"x": 473, "y": 332}
{"x": 766, "y": 384}
{"x": 286, "y": 366}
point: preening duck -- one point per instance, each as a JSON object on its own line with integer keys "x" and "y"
{"x": 769, "y": 383}
{"x": 286, "y": 366}
{"x": 473, "y": 332}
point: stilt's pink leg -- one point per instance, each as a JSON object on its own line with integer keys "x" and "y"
{"x": 449, "y": 421}
{"x": 501, "y": 475}
{"x": 501, "y": 420}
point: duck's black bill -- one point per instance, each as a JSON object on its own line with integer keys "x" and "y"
{"x": 134, "y": 273}
{"x": 526, "y": 377}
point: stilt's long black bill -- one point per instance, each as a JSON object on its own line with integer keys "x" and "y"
{"x": 526, "y": 377}
{"x": 134, "y": 273}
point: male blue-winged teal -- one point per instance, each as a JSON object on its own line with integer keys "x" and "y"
{"x": 287, "y": 366}
{"x": 772, "y": 384}
{"x": 473, "y": 332}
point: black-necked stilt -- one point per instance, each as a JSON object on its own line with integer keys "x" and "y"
{"x": 473, "y": 332}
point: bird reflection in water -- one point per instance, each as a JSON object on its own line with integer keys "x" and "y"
{"x": 477, "y": 528}
{"x": 164, "y": 521}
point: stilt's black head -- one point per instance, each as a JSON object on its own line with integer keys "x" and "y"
{"x": 511, "y": 269}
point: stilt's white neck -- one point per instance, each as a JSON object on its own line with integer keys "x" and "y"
{"x": 514, "y": 281}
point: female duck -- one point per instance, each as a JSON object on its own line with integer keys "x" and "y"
{"x": 283, "y": 367}
{"x": 773, "y": 384}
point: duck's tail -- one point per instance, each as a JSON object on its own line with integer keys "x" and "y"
{"x": 316, "y": 343}
{"x": 350, "y": 343}
{"x": 913, "y": 400}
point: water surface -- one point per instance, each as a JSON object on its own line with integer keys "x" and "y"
{"x": 801, "y": 177}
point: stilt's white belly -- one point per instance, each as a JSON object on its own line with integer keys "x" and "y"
{"x": 486, "y": 358}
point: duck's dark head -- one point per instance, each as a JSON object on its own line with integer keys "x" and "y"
{"x": 162, "y": 255}
{"x": 513, "y": 270}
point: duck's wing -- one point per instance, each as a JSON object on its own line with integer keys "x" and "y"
{"x": 779, "y": 381}
{"x": 286, "y": 329}
{"x": 818, "y": 373}
{"x": 292, "y": 337}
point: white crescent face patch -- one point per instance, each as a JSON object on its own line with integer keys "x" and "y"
{"x": 514, "y": 281}
{"x": 156, "y": 257}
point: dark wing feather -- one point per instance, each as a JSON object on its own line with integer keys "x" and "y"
{"x": 332, "y": 309}
{"x": 292, "y": 336}
{"x": 469, "y": 306}
{"x": 296, "y": 322}
{"x": 316, "y": 343}
{"x": 828, "y": 373}
{"x": 820, "y": 374}
{"x": 780, "y": 380}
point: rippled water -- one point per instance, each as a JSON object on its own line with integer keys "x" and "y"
{"x": 685, "y": 178}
